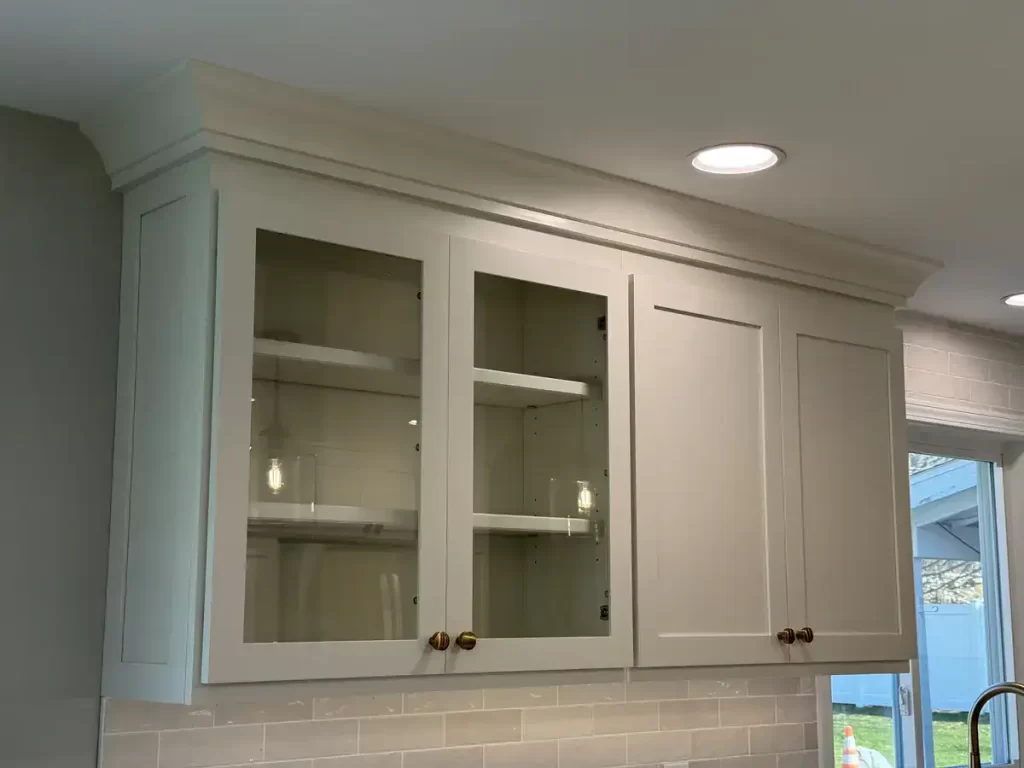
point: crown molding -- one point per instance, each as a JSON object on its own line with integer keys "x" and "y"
{"x": 942, "y": 412}
{"x": 199, "y": 107}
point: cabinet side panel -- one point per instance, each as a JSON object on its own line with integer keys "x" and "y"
{"x": 161, "y": 436}
{"x": 154, "y": 501}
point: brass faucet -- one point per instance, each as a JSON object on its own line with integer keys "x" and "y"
{"x": 973, "y": 742}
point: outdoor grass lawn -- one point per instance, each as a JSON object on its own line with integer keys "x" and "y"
{"x": 873, "y": 729}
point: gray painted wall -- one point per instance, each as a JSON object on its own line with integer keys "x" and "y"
{"x": 59, "y": 273}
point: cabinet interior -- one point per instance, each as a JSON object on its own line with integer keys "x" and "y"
{"x": 335, "y": 455}
{"x": 547, "y": 460}
{"x": 332, "y": 551}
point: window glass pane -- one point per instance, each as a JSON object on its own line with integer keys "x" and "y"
{"x": 864, "y": 704}
{"x": 958, "y": 588}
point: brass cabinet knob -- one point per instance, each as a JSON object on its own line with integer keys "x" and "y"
{"x": 466, "y": 641}
{"x": 787, "y": 636}
{"x": 805, "y": 635}
{"x": 439, "y": 641}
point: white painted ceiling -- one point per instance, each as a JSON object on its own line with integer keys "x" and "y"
{"x": 903, "y": 121}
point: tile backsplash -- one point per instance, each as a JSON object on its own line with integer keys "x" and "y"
{"x": 757, "y": 723}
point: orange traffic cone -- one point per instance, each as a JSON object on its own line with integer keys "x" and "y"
{"x": 850, "y": 757}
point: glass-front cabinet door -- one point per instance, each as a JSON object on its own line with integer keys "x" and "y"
{"x": 328, "y": 450}
{"x": 538, "y": 473}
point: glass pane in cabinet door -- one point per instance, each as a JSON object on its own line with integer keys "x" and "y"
{"x": 540, "y": 544}
{"x": 334, "y": 450}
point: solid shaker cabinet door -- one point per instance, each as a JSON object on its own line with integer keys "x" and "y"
{"x": 710, "y": 523}
{"x": 847, "y": 501}
{"x": 327, "y": 499}
{"x": 539, "y": 478}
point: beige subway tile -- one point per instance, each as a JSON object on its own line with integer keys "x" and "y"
{"x": 657, "y": 690}
{"x": 745, "y": 761}
{"x": 591, "y": 693}
{"x": 807, "y": 685}
{"x": 266, "y": 710}
{"x": 394, "y": 734}
{"x": 557, "y": 722}
{"x": 717, "y": 688}
{"x": 927, "y": 383}
{"x": 122, "y": 716}
{"x": 1017, "y": 399}
{"x": 211, "y": 746}
{"x": 996, "y": 395}
{"x": 969, "y": 367}
{"x": 808, "y": 759}
{"x": 797, "y": 709}
{"x": 811, "y": 735}
{"x": 384, "y": 760}
{"x": 1005, "y": 373}
{"x": 659, "y": 747}
{"x": 336, "y": 707}
{"x": 774, "y": 686}
{"x": 926, "y": 359}
{"x": 689, "y": 714}
{"x": 489, "y": 726}
{"x": 459, "y": 757}
{"x": 514, "y": 698}
{"x": 539, "y": 754}
{"x": 443, "y": 701}
{"x": 766, "y": 739}
{"x": 129, "y": 750}
{"x": 961, "y": 389}
{"x": 592, "y": 752}
{"x": 748, "y": 761}
{"x": 752, "y": 710}
{"x": 312, "y": 738}
{"x": 626, "y": 717}
{"x": 720, "y": 742}
{"x": 278, "y": 764}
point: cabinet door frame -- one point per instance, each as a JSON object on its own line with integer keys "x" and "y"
{"x": 804, "y": 313}
{"x": 535, "y": 653}
{"x": 741, "y": 301}
{"x": 328, "y": 217}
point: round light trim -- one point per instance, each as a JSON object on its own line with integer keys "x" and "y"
{"x": 1014, "y": 300}
{"x": 734, "y": 159}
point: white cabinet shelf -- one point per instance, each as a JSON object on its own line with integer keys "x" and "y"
{"x": 570, "y": 526}
{"x": 339, "y": 368}
{"x": 274, "y": 514}
{"x": 520, "y": 390}
{"x": 271, "y": 513}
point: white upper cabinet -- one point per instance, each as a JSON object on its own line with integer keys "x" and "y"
{"x": 538, "y": 475}
{"x": 374, "y": 410}
{"x": 710, "y": 523}
{"x": 847, "y": 495}
{"x": 771, "y": 493}
{"x": 420, "y": 453}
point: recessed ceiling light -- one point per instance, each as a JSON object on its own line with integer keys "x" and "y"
{"x": 731, "y": 159}
{"x": 1014, "y": 300}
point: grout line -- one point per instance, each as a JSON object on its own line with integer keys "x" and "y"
{"x": 264, "y": 753}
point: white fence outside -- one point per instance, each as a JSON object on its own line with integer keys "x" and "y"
{"x": 957, "y": 666}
